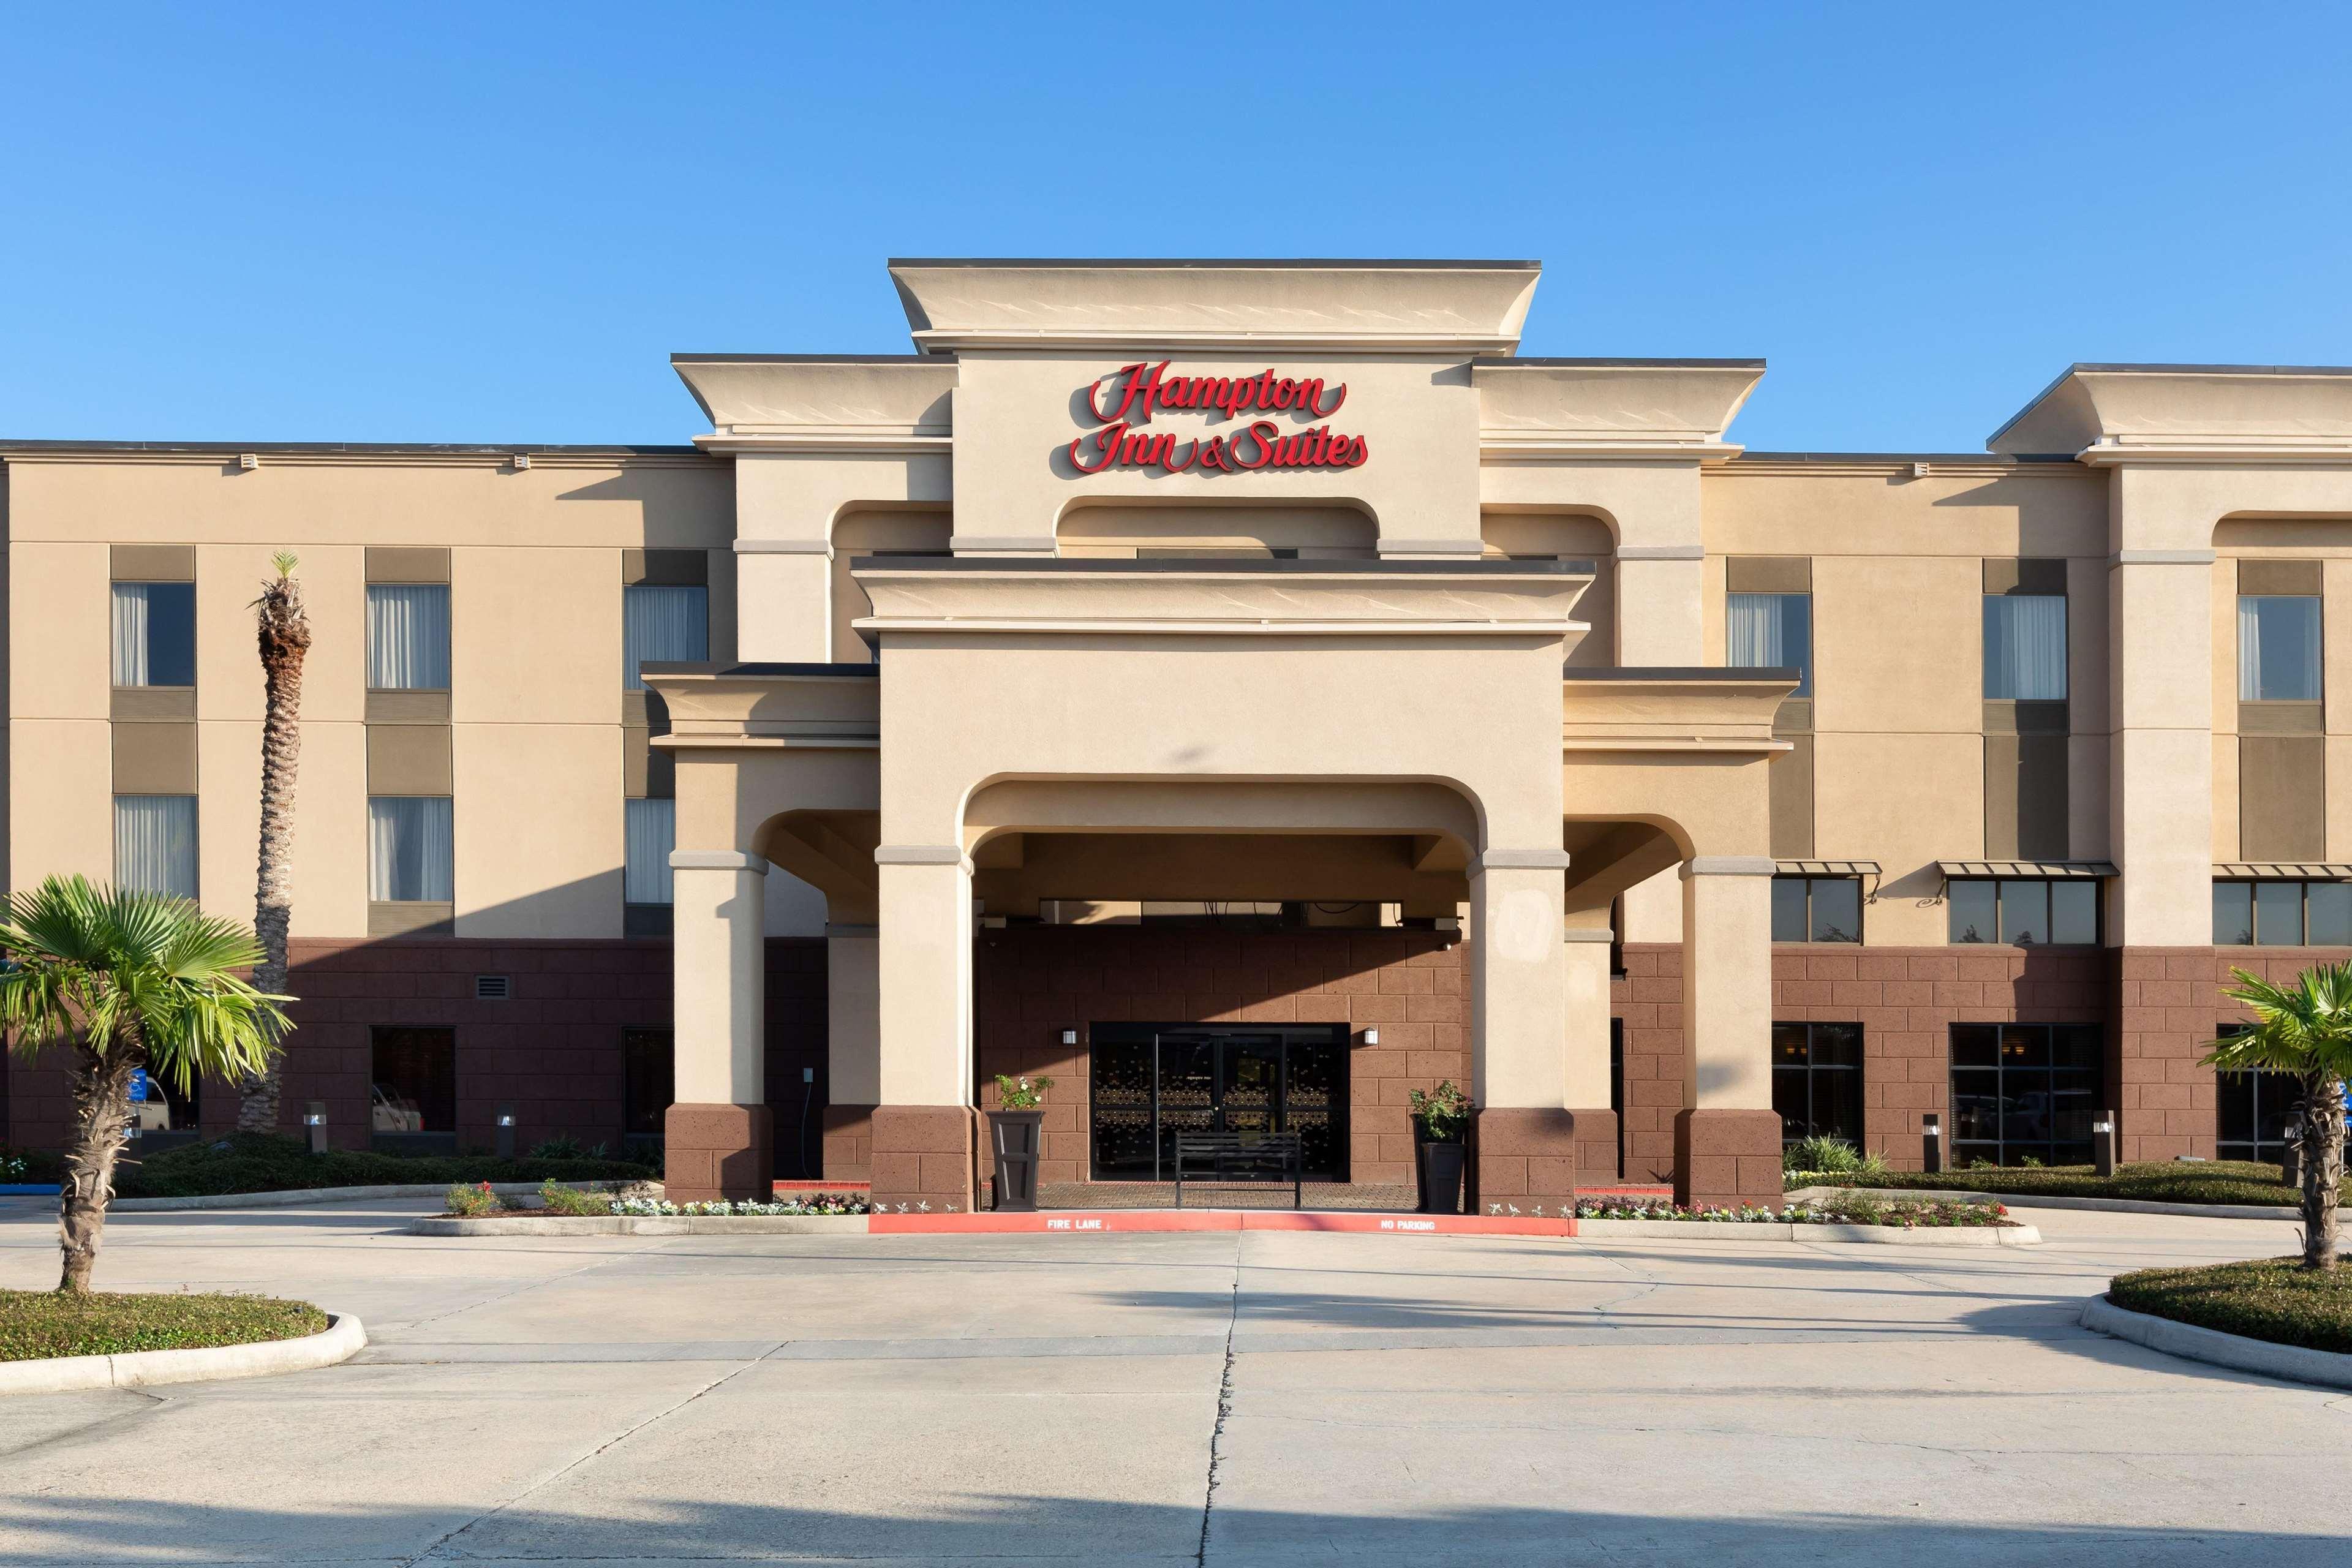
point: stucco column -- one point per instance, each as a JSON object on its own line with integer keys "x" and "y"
{"x": 853, "y": 999}
{"x": 1585, "y": 1081}
{"x": 1526, "y": 1154}
{"x": 719, "y": 1137}
{"x": 2160, "y": 754}
{"x": 784, "y": 601}
{"x": 1728, "y": 1138}
{"x": 924, "y": 1125}
{"x": 1660, "y": 625}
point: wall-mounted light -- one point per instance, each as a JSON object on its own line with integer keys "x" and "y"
{"x": 1069, "y": 1036}
{"x": 1371, "y": 1036}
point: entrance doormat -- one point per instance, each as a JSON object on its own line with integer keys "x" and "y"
{"x": 1098, "y": 1221}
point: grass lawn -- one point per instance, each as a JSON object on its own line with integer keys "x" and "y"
{"x": 2272, "y": 1299}
{"x": 266, "y": 1162}
{"x": 2169, "y": 1182}
{"x": 36, "y": 1323}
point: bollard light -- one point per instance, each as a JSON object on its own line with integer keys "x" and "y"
{"x": 2102, "y": 1144}
{"x": 1931, "y": 1143}
{"x": 314, "y": 1118}
{"x": 2291, "y": 1158}
{"x": 506, "y": 1119}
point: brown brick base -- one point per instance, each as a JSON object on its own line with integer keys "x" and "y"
{"x": 848, "y": 1143}
{"x": 719, "y": 1152}
{"x": 1524, "y": 1159}
{"x": 1596, "y": 1147}
{"x": 1728, "y": 1157}
{"x": 925, "y": 1154}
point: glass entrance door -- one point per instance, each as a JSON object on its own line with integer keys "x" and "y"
{"x": 1151, "y": 1082}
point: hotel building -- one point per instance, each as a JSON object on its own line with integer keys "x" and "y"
{"x": 1247, "y": 692}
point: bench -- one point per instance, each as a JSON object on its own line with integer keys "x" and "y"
{"x": 1240, "y": 1157}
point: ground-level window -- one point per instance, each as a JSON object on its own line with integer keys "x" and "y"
{"x": 2024, "y": 912}
{"x": 646, "y": 1056}
{"x": 2254, "y": 1108}
{"x": 2282, "y": 914}
{"x": 159, "y": 1105}
{"x": 415, "y": 1087}
{"x": 2025, "y": 1093}
{"x": 1816, "y": 908}
{"x": 1817, "y": 1080}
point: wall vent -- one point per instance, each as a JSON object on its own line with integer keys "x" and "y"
{"x": 493, "y": 987}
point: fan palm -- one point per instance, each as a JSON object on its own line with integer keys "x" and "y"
{"x": 128, "y": 980}
{"x": 2305, "y": 1031}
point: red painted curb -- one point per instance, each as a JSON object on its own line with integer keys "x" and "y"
{"x": 1098, "y": 1222}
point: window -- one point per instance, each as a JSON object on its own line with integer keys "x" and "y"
{"x": 651, "y": 832}
{"x": 159, "y": 1105}
{"x": 1769, "y": 631}
{"x": 408, "y": 637}
{"x": 2278, "y": 648}
{"x": 154, "y": 634}
{"x": 2254, "y": 1108}
{"x": 409, "y": 856}
{"x": 662, "y": 623}
{"x": 1817, "y": 1080}
{"x": 2025, "y": 647}
{"x": 2282, "y": 914}
{"x": 646, "y": 1056}
{"x": 2024, "y": 912}
{"x": 1816, "y": 908}
{"x": 2025, "y": 1091}
{"x": 414, "y": 1096}
{"x": 156, "y": 843}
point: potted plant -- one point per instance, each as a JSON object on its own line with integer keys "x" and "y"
{"x": 1441, "y": 1127}
{"x": 1017, "y": 1130}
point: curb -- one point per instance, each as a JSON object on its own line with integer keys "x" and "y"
{"x": 342, "y": 1339}
{"x": 2044, "y": 1201}
{"x": 1774, "y": 1230}
{"x": 644, "y": 1224}
{"x": 2297, "y": 1364}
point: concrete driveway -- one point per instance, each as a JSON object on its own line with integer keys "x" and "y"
{"x": 1242, "y": 1398}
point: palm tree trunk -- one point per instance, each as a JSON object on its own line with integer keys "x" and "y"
{"x": 285, "y": 632}
{"x": 2323, "y": 1170}
{"x": 101, "y": 1092}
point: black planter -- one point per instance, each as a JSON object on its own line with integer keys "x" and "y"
{"x": 1437, "y": 1170}
{"x": 1016, "y": 1134}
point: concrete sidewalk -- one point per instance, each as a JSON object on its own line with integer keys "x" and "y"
{"x": 1056, "y": 1398}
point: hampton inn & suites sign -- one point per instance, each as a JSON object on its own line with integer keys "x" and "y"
{"x": 1125, "y": 400}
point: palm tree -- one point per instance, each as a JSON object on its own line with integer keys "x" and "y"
{"x": 129, "y": 980}
{"x": 2305, "y": 1031}
{"x": 285, "y": 632}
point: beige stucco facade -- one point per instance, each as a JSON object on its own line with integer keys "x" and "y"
{"x": 1438, "y": 639}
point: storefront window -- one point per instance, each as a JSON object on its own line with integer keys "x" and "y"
{"x": 1817, "y": 1080}
{"x": 646, "y": 1057}
{"x": 2025, "y": 1093}
{"x": 414, "y": 1095}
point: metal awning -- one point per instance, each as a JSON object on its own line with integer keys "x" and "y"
{"x": 1826, "y": 868}
{"x": 2287, "y": 870}
{"x": 2079, "y": 869}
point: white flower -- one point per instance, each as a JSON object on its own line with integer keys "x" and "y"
{"x": 924, "y": 1207}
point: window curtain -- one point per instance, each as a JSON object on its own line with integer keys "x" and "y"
{"x": 408, "y": 637}
{"x": 156, "y": 843}
{"x": 662, "y": 623}
{"x": 1771, "y": 631}
{"x": 2278, "y": 648}
{"x": 2025, "y": 647}
{"x": 409, "y": 856}
{"x": 651, "y": 832}
{"x": 130, "y": 619}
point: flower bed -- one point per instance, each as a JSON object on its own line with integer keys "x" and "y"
{"x": 1852, "y": 1209}
{"x": 479, "y": 1202}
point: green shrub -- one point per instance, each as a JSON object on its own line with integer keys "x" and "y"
{"x": 2272, "y": 1299}
{"x": 268, "y": 1163}
{"x": 39, "y": 1323}
{"x": 30, "y": 1167}
{"x": 474, "y": 1201}
{"x": 1822, "y": 1154}
{"x": 563, "y": 1200}
{"x": 2241, "y": 1182}
{"x": 564, "y": 1146}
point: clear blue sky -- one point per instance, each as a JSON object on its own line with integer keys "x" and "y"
{"x": 494, "y": 223}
